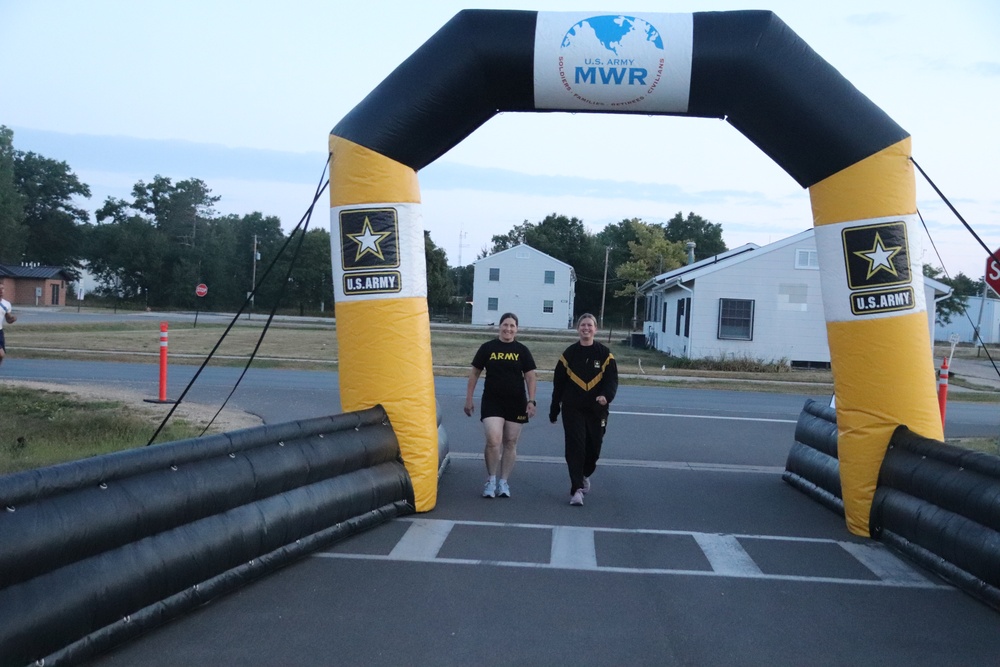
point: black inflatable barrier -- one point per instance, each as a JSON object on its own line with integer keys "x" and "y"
{"x": 940, "y": 505}
{"x": 97, "y": 551}
{"x": 812, "y": 465}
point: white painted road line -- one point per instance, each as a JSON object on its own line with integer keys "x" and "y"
{"x": 653, "y": 465}
{"x": 883, "y": 564}
{"x": 422, "y": 540}
{"x": 573, "y": 548}
{"x": 726, "y": 555}
{"x": 736, "y": 419}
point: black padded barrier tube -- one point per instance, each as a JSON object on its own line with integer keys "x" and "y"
{"x": 940, "y": 504}
{"x": 748, "y": 67}
{"x": 101, "y": 550}
{"x": 812, "y": 465}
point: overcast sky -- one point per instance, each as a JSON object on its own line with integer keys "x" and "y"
{"x": 243, "y": 95}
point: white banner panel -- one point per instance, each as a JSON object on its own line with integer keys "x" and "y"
{"x": 871, "y": 268}
{"x": 377, "y": 252}
{"x": 613, "y": 62}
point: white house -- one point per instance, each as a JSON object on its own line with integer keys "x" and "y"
{"x": 761, "y": 303}
{"x": 537, "y": 287}
{"x": 979, "y": 312}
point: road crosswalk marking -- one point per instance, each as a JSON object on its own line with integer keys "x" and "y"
{"x": 575, "y": 548}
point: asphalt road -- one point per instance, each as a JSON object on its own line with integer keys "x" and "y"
{"x": 690, "y": 550}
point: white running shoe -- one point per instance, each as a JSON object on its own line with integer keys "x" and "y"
{"x": 577, "y": 498}
{"x": 586, "y": 485}
{"x": 490, "y": 490}
{"x": 503, "y": 489}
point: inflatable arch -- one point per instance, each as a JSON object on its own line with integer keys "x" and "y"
{"x": 746, "y": 67}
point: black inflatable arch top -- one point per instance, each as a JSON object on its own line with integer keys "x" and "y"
{"x": 748, "y": 68}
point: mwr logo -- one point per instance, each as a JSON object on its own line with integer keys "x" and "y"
{"x": 882, "y": 301}
{"x": 369, "y": 238}
{"x": 611, "y": 61}
{"x": 383, "y": 282}
{"x": 876, "y": 255}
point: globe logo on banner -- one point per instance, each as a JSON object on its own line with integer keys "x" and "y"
{"x": 612, "y": 61}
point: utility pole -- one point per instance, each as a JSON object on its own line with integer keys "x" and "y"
{"x": 253, "y": 279}
{"x": 604, "y": 287}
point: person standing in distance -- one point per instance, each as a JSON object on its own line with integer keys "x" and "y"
{"x": 505, "y": 408}
{"x": 583, "y": 386}
{"x": 5, "y": 316}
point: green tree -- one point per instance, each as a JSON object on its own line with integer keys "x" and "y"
{"x": 651, "y": 253}
{"x": 614, "y": 240}
{"x": 962, "y": 288}
{"x": 125, "y": 255}
{"x": 440, "y": 288}
{"x": 706, "y": 235}
{"x": 13, "y": 233}
{"x": 462, "y": 278}
{"x": 264, "y": 233}
{"x": 56, "y": 228}
{"x": 178, "y": 215}
{"x": 310, "y": 285}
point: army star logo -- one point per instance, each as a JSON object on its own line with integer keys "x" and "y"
{"x": 876, "y": 255}
{"x": 368, "y": 241}
{"x": 879, "y": 257}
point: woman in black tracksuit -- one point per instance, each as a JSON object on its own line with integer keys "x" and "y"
{"x": 584, "y": 384}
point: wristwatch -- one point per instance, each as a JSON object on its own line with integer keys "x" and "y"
{"x": 533, "y": 402}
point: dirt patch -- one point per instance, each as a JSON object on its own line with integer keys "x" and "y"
{"x": 194, "y": 413}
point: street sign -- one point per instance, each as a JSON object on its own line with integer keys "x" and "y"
{"x": 201, "y": 289}
{"x": 993, "y": 272}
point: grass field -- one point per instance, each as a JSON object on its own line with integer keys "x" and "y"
{"x": 42, "y": 427}
{"x": 315, "y": 345}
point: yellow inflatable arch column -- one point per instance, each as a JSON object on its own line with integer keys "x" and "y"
{"x": 867, "y": 240}
{"x": 380, "y": 284}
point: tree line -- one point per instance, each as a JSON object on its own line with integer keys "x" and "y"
{"x": 152, "y": 248}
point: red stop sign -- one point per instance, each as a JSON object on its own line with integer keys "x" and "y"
{"x": 201, "y": 289}
{"x": 993, "y": 272}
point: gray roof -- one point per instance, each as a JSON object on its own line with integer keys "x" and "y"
{"x": 33, "y": 272}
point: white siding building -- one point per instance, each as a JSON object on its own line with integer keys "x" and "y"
{"x": 984, "y": 313}
{"x": 537, "y": 287}
{"x": 759, "y": 303}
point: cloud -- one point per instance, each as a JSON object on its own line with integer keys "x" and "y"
{"x": 118, "y": 162}
{"x": 988, "y": 69}
{"x": 155, "y": 156}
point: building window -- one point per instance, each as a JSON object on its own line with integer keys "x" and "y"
{"x": 547, "y": 306}
{"x": 493, "y": 303}
{"x": 806, "y": 259}
{"x": 736, "y": 319}
{"x": 550, "y": 277}
{"x": 687, "y": 317}
{"x": 494, "y": 274}
{"x": 680, "y": 316}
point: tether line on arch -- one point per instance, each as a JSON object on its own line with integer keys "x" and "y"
{"x": 927, "y": 231}
{"x": 303, "y": 224}
{"x": 955, "y": 211}
{"x": 965, "y": 311}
